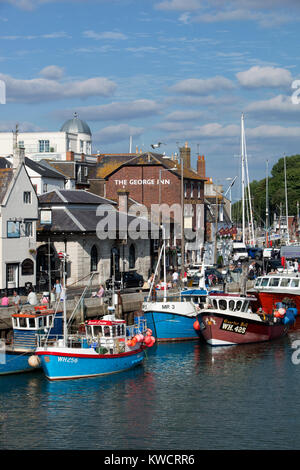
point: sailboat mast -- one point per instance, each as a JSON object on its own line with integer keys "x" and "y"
{"x": 243, "y": 178}
{"x": 286, "y": 205}
{"x": 267, "y": 205}
{"x": 250, "y": 218}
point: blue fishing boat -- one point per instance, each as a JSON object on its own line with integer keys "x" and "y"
{"x": 106, "y": 346}
{"x": 17, "y": 352}
{"x": 172, "y": 318}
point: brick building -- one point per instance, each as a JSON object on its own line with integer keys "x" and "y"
{"x": 153, "y": 179}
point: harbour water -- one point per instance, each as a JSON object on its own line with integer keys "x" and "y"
{"x": 184, "y": 396}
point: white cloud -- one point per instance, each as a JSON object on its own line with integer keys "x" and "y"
{"x": 52, "y": 72}
{"x": 42, "y": 89}
{"x": 197, "y": 86}
{"x": 118, "y": 111}
{"x": 278, "y": 105}
{"x": 178, "y": 5}
{"x": 24, "y": 126}
{"x": 184, "y": 116}
{"x": 114, "y": 35}
{"x": 30, "y": 37}
{"x": 280, "y": 132}
{"x": 264, "y": 77}
{"x": 113, "y": 134}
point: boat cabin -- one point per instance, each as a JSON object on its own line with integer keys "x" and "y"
{"x": 273, "y": 281}
{"x": 231, "y": 303}
{"x": 197, "y": 296}
{"x": 28, "y": 325}
{"x": 106, "y": 328}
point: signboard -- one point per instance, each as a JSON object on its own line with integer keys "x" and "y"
{"x": 46, "y": 217}
{"x": 13, "y": 229}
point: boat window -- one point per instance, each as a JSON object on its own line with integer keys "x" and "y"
{"x": 106, "y": 331}
{"x": 122, "y": 330}
{"x": 264, "y": 281}
{"x": 285, "y": 282}
{"x": 15, "y": 322}
{"x": 215, "y": 305}
{"x": 31, "y": 322}
{"x": 41, "y": 322}
{"x": 295, "y": 283}
{"x": 258, "y": 281}
{"x": 245, "y": 306}
{"x": 22, "y": 322}
{"x": 274, "y": 281}
{"x": 97, "y": 331}
{"x": 222, "y": 304}
{"x": 49, "y": 321}
{"x": 231, "y": 304}
{"x": 238, "y": 305}
{"x": 113, "y": 330}
{"x": 89, "y": 330}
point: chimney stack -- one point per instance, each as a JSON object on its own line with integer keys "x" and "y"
{"x": 123, "y": 195}
{"x": 185, "y": 153}
{"x": 201, "y": 166}
{"x": 18, "y": 153}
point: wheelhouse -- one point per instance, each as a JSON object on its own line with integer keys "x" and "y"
{"x": 233, "y": 304}
{"x": 277, "y": 281}
{"x": 106, "y": 328}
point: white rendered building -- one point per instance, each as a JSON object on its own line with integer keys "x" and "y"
{"x": 74, "y": 136}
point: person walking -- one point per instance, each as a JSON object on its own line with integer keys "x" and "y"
{"x": 175, "y": 278}
{"x": 57, "y": 289}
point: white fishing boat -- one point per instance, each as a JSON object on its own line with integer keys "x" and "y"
{"x": 104, "y": 346}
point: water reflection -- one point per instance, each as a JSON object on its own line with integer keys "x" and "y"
{"x": 184, "y": 396}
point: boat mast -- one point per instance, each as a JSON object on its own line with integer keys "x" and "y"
{"x": 286, "y": 205}
{"x": 245, "y": 166}
{"x": 243, "y": 178}
{"x": 267, "y": 206}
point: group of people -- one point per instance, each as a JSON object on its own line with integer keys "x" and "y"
{"x": 174, "y": 282}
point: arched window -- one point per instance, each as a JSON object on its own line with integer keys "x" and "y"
{"x": 132, "y": 257}
{"x": 94, "y": 258}
{"x": 27, "y": 267}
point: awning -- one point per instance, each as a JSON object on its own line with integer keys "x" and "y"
{"x": 292, "y": 251}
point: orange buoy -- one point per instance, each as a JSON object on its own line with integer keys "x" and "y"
{"x": 147, "y": 340}
{"x": 129, "y": 343}
{"x": 196, "y": 325}
{"x": 133, "y": 342}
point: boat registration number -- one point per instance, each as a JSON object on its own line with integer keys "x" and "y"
{"x": 234, "y": 326}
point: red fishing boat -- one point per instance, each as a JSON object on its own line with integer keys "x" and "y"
{"x": 272, "y": 289}
{"x": 229, "y": 319}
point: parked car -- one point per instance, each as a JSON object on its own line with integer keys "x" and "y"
{"x": 255, "y": 253}
{"x": 239, "y": 252}
{"x": 126, "y": 279}
{"x": 193, "y": 270}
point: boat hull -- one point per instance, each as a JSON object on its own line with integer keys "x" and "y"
{"x": 167, "y": 326}
{"x": 224, "y": 330}
{"x": 16, "y": 362}
{"x": 60, "y": 364}
{"x": 268, "y": 300}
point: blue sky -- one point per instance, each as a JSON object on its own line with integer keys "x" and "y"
{"x": 169, "y": 71}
